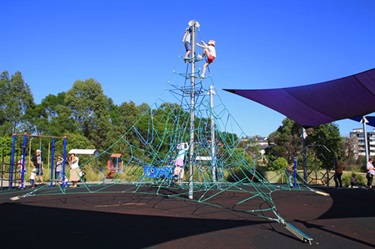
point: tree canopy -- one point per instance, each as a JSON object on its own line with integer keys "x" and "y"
{"x": 90, "y": 119}
{"x": 322, "y": 144}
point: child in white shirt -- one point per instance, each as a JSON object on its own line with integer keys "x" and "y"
{"x": 32, "y": 176}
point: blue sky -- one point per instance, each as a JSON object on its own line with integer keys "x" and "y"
{"x": 132, "y": 48}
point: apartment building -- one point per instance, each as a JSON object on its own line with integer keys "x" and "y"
{"x": 358, "y": 139}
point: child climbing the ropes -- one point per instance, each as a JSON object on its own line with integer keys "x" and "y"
{"x": 209, "y": 51}
{"x": 187, "y": 43}
{"x": 179, "y": 162}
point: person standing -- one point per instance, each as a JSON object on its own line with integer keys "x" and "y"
{"x": 74, "y": 170}
{"x": 370, "y": 173}
{"x": 338, "y": 173}
{"x": 32, "y": 176}
{"x": 21, "y": 169}
{"x": 179, "y": 162}
{"x": 187, "y": 43}
{"x": 36, "y": 160}
{"x": 59, "y": 168}
{"x": 289, "y": 173}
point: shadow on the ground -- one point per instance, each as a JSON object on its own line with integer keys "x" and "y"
{"x": 24, "y": 225}
{"x": 350, "y": 203}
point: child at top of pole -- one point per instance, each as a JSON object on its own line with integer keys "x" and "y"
{"x": 209, "y": 51}
{"x": 187, "y": 43}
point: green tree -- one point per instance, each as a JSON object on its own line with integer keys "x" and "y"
{"x": 77, "y": 141}
{"x": 5, "y": 147}
{"x": 326, "y": 142}
{"x": 348, "y": 154}
{"x": 15, "y": 98}
{"x": 285, "y": 142}
{"x": 251, "y": 147}
{"x": 280, "y": 164}
{"x": 323, "y": 143}
{"x": 89, "y": 110}
{"x": 122, "y": 119}
{"x": 51, "y": 117}
{"x": 57, "y": 114}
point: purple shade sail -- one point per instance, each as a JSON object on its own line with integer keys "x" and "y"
{"x": 370, "y": 119}
{"x": 325, "y": 102}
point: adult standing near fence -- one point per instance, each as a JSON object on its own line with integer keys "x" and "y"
{"x": 36, "y": 160}
{"x": 338, "y": 173}
{"x": 370, "y": 173}
{"x": 74, "y": 170}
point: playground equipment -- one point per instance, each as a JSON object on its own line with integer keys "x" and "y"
{"x": 114, "y": 164}
{"x": 25, "y": 147}
{"x": 215, "y": 153}
{"x": 84, "y": 152}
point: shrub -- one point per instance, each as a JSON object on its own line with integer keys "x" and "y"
{"x": 359, "y": 179}
{"x": 346, "y": 180}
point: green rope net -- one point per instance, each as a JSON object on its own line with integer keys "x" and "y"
{"x": 221, "y": 167}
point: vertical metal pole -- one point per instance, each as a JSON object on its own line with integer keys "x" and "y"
{"x": 23, "y": 158}
{"x": 2, "y": 168}
{"x": 52, "y": 162}
{"x": 192, "y": 109}
{"x": 11, "y": 168}
{"x": 364, "y": 121}
{"x": 295, "y": 173}
{"x": 29, "y": 152}
{"x": 213, "y": 151}
{"x": 304, "y": 154}
{"x": 63, "y": 182}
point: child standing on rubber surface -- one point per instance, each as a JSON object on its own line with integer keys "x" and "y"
{"x": 32, "y": 176}
{"x": 21, "y": 167}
